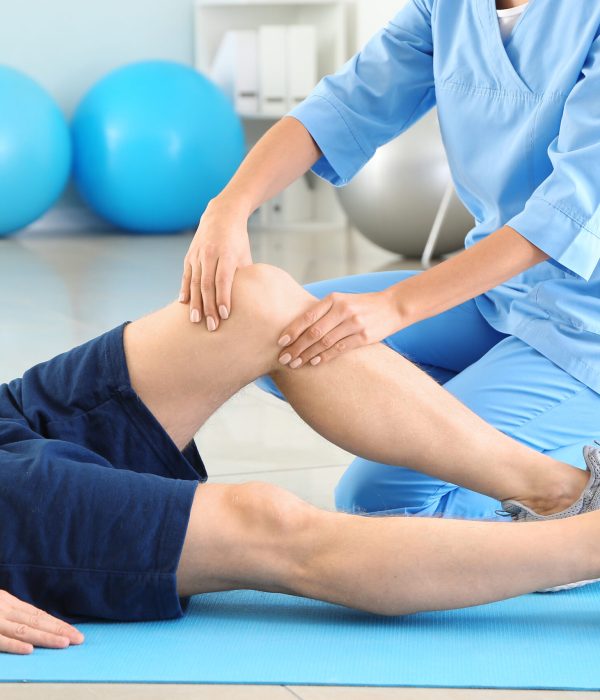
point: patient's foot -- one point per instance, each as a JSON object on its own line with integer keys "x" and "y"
{"x": 588, "y": 500}
{"x": 557, "y": 490}
{"x": 584, "y": 495}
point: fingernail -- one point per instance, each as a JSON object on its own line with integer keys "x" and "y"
{"x": 315, "y": 361}
{"x": 296, "y": 363}
{"x": 195, "y": 316}
{"x": 64, "y": 641}
{"x": 181, "y": 297}
{"x": 210, "y": 324}
{"x": 283, "y": 341}
{"x": 284, "y": 359}
{"x": 223, "y": 313}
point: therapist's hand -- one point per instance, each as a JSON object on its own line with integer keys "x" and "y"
{"x": 220, "y": 246}
{"x": 336, "y": 324}
{"x": 23, "y": 627}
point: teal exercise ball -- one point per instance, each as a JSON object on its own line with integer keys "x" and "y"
{"x": 35, "y": 151}
{"x": 154, "y": 142}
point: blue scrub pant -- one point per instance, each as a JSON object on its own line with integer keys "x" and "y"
{"x": 502, "y": 379}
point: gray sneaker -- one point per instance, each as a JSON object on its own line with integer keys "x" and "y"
{"x": 588, "y": 501}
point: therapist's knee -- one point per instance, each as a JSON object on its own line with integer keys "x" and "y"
{"x": 359, "y": 489}
{"x": 372, "y": 488}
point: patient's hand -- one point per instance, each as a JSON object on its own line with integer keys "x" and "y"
{"x": 23, "y": 627}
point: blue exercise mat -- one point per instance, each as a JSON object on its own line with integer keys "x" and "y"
{"x": 536, "y": 641}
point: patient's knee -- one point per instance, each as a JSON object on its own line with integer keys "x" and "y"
{"x": 252, "y": 535}
{"x": 281, "y": 533}
{"x": 268, "y": 293}
{"x": 269, "y": 512}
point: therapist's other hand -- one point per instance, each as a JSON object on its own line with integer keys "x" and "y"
{"x": 336, "y": 324}
{"x": 23, "y": 627}
{"x": 220, "y": 246}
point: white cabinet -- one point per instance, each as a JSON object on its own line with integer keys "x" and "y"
{"x": 329, "y": 17}
{"x": 312, "y": 202}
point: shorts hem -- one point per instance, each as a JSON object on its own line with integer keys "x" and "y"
{"x": 182, "y": 464}
{"x": 170, "y": 603}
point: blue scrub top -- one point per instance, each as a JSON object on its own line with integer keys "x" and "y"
{"x": 521, "y": 127}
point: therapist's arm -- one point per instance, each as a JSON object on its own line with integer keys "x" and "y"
{"x": 494, "y": 260}
{"x": 221, "y": 242}
{"x": 342, "y": 322}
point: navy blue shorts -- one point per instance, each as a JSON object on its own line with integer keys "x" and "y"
{"x": 95, "y": 497}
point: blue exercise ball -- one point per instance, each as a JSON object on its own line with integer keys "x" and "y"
{"x": 154, "y": 142}
{"x": 35, "y": 151}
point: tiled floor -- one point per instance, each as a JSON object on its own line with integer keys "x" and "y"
{"x": 58, "y": 291}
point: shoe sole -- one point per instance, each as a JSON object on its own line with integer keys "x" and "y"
{"x": 568, "y": 586}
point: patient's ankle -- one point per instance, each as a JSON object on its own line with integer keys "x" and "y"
{"x": 560, "y": 493}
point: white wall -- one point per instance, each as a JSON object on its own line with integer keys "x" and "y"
{"x": 68, "y": 44}
{"x": 371, "y": 15}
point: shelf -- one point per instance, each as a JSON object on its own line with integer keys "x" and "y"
{"x": 212, "y": 18}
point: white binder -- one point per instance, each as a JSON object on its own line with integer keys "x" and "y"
{"x": 235, "y": 69}
{"x": 272, "y": 69}
{"x": 301, "y": 62}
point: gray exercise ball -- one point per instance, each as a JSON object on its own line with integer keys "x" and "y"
{"x": 394, "y": 199}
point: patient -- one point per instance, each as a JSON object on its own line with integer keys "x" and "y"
{"x": 105, "y": 513}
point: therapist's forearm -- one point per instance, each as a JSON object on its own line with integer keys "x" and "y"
{"x": 494, "y": 260}
{"x": 281, "y": 156}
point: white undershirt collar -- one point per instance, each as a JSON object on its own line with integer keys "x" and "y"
{"x": 512, "y": 11}
{"x": 508, "y": 19}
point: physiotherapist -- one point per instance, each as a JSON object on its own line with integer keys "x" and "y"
{"x": 511, "y": 325}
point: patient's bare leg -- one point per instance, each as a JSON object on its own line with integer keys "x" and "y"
{"x": 372, "y": 402}
{"x": 258, "y": 536}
